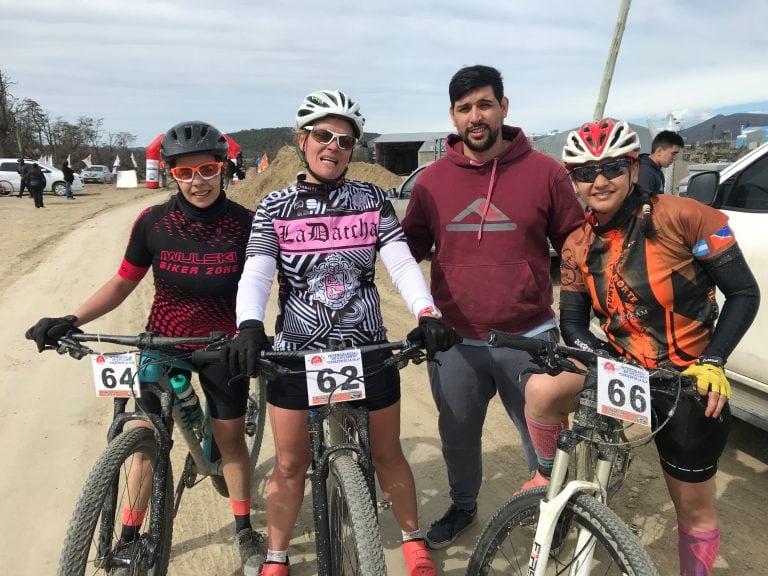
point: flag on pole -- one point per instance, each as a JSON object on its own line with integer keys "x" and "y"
{"x": 263, "y": 163}
{"x": 133, "y": 161}
{"x": 116, "y": 164}
{"x": 87, "y": 161}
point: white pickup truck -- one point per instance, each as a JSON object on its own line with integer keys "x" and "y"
{"x": 741, "y": 191}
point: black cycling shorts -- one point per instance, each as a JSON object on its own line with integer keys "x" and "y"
{"x": 690, "y": 444}
{"x": 226, "y": 398}
{"x": 382, "y": 386}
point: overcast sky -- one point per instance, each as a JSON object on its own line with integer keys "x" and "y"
{"x": 144, "y": 65}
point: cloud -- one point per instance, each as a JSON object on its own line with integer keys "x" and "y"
{"x": 143, "y": 65}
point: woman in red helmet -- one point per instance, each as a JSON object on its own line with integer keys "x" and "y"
{"x": 648, "y": 265}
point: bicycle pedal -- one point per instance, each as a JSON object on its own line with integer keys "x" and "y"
{"x": 636, "y": 529}
{"x": 189, "y": 474}
{"x": 384, "y": 504}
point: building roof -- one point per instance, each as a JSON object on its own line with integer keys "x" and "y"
{"x": 409, "y": 137}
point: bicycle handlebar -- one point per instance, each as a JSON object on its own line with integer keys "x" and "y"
{"x": 554, "y": 358}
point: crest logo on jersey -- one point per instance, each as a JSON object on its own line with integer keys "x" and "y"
{"x": 333, "y": 282}
{"x": 358, "y": 199}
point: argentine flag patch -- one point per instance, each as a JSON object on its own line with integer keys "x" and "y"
{"x": 700, "y": 249}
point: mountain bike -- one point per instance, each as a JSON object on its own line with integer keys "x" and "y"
{"x": 347, "y": 537}
{"x": 567, "y": 526}
{"x": 93, "y": 544}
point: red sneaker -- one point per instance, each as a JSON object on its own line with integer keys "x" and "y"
{"x": 536, "y": 480}
{"x": 275, "y": 569}
{"x": 418, "y": 558}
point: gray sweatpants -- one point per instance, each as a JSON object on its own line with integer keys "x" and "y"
{"x": 462, "y": 387}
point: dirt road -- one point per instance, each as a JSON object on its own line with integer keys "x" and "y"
{"x": 53, "y": 428}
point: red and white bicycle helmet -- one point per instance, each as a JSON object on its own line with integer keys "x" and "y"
{"x": 606, "y": 138}
{"x": 324, "y": 103}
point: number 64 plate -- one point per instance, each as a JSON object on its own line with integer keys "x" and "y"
{"x": 115, "y": 375}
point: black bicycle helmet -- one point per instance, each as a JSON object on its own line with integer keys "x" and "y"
{"x": 193, "y": 138}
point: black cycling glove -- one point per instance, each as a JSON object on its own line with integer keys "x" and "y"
{"x": 48, "y": 331}
{"x": 434, "y": 335}
{"x": 242, "y": 353}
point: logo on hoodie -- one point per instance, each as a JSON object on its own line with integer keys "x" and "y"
{"x": 492, "y": 219}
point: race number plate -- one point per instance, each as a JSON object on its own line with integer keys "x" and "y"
{"x": 623, "y": 391}
{"x": 334, "y": 377}
{"x": 115, "y": 375}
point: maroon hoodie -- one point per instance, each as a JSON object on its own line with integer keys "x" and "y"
{"x": 490, "y": 224}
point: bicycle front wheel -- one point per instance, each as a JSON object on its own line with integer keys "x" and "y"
{"x": 505, "y": 545}
{"x": 93, "y": 544}
{"x": 354, "y": 531}
{"x": 255, "y": 417}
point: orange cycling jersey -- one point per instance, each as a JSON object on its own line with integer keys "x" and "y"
{"x": 653, "y": 299}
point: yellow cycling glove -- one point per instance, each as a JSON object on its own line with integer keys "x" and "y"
{"x": 709, "y": 377}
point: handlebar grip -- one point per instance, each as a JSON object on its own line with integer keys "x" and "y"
{"x": 499, "y": 339}
{"x": 206, "y": 357}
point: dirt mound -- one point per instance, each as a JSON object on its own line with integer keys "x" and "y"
{"x": 282, "y": 172}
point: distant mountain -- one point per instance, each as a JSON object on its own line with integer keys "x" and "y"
{"x": 722, "y": 127}
{"x": 256, "y": 141}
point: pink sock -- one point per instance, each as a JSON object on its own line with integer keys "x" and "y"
{"x": 544, "y": 439}
{"x": 697, "y": 550}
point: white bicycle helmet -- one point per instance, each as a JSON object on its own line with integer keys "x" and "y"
{"x": 606, "y": 138}
{"x": 324, "y": 103}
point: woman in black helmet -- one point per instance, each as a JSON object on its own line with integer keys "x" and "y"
{"x": 195, "y": 245}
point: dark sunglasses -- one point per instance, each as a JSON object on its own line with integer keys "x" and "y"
{"x": 187, "y": 173}
{"x": 610, "y": 170}
{"x": 325, "y": 137}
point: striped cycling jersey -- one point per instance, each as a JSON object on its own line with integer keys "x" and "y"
{"x": 325, "y": 241}
{"x": 652, "y": 297}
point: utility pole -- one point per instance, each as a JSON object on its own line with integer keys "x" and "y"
{"x": 605, "y": 86}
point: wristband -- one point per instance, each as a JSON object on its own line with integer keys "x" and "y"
{"x": 429, "y": 312}
{"x": 713, "y": 360}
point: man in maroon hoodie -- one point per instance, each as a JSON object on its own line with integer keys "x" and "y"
{"x": 488, "y": 208}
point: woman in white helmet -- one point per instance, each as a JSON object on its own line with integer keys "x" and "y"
{"x": 322, "y": 235}
{"x": 648, "y": 266}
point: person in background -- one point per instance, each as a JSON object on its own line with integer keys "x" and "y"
{"x": 227, "y": 173}
{"x": 665, "y": 147}
{"x": 648, "y": 267}
{"x": 69, "y": 178}
{"x": 202, "y": 224}
{"x": 35, "y": 180}
{"x": 327, "y": 297}
{"x": 22, "y": 170}
{"x": 489, "y": 208}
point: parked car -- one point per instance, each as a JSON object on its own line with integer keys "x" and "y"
{"x": 10, "y": 180}
{"x": 741, "y": 191}
{"x": 97, "y": 173}
{"x": 401, "y": 195}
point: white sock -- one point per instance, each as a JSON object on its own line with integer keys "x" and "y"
{"x": 277, "y": 556}
{"x": 415, "y": 535}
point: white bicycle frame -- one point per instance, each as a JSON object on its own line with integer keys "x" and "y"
{"x": 551, "y": 508}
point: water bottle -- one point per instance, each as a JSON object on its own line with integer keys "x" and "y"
{"x": 190, "y": 409}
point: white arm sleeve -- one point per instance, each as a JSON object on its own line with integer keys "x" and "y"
{"x": 406, "y": 276}
{"x": 254, "y": 288}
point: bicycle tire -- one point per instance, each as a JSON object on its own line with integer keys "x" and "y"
{"x": 6, "y": 189}
{"x": 105, "y": 485}
{"x": 356, "y": 547}
{"x": 505, "y": 544}
{"x": 255, "y": 418}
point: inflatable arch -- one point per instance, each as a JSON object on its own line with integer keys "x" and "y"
{"x": 153, "y": 159}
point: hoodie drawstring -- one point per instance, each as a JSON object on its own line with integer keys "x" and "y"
{"x": 487, "y": 199}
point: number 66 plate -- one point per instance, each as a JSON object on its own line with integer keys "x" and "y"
{"x": 623, "y": 391}
{"x": 115, "y": 375}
